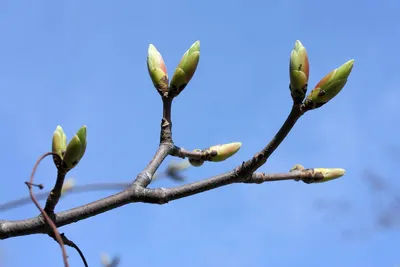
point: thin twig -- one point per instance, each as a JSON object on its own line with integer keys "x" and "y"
{"x": 198, "y": 155}
{"x": 70, "y": 243}
{"x": 261, "y": 157}
{"x": 166, "y": 122}
{"x": 76, "y": 189}
{"x": 106, "y": 186}
{"x": 47, "y": 218}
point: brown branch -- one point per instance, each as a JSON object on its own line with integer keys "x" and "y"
{"x": 136, "y": 194}
{"x": 55, "y": 194}
{"x": 106, "y": 186}
{"x": 166, "y": 122}
{"x": 70, "y": 243}
{"x": 261, "y": 157}
{"x": 138, "y": 191}
{"x": 76, "y": 189}
{"x": 198, "y": 155}
{"x": 166, "y": 146}
{"x": 144, "y": 178}
{"x": 44, "y": 214}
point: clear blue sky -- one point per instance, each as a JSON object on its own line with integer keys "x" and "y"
{"x": 84, "y": 62}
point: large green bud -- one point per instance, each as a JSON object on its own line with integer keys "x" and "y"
{"x": 59, "y": 145}
{"x": 75, "y": 149}
{"x": 185, "y": 70}
{"x": 299, "y": 70}
{"x": 157, "y": 70}
{"x": 329, "y": 86}
{"x": 224, "y": 151}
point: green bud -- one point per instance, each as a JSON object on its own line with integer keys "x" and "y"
{"x": 297, "y": 167}
{"x": 157, "y": 70}
{"x": 185, "y": 70}
{"x": 82, "y": 138}
{"x": 75, "y": 149}
{"x": 224, "y": 151}
{"x": 299, "y": 72}
{"x": 329, "y": 86}
{"x": 59, "y": 144}
{"x": 329, "y": 173}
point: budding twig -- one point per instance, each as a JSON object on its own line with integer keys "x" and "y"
{"x": 49, "y": 221}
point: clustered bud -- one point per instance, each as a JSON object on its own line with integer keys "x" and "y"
{"x": 72, "y": 153}
{"x": 185, "y": 70}
{"x": 327, "y": 88}
{"x": 183, "y": 73}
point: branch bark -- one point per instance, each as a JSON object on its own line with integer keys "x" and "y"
{"x": 138, "y": 191}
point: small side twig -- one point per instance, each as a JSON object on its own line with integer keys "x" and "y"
{"x": 70, "y": 243}
{"x": 198, "y": 155}
{"x": 46, "y": 217}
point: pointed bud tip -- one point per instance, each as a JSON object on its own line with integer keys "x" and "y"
{"x": 196, "y": 45}
{"x": 151, "y": 48}
{"x": 330, "y": 173}
{"x": 298, "y": 45}
{"x": 349, "y": 64}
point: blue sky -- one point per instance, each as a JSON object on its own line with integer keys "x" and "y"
{"x": 73, "y": 63}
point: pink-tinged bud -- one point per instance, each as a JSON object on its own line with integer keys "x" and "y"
{"x": 157, "y": 70}
{"x": 299, "y": 72}
{"x": 329, "y": 86}
{"x": 185, "y": 70}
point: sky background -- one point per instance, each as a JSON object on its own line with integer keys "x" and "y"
{"x": 84, "y": 62}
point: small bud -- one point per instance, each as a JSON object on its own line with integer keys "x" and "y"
{"x": 75, "y": 149}
{"x": 224, "y": 151}
{"x": 299, "y": 72}
{"x": 328, "y": 174}
{"x": 68, "y": 185}
{"x": 59, "y": 144}
{"x": 157, "y": 70}
{"x": 329, "y": 86}
{"x": 297, "y": 167}
{"x": 185, "y": 70}
{"x": 196, "y": 162}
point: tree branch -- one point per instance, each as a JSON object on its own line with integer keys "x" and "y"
{"x": 144, "y": 178}
{"x": 261, "y": 157}
{"x": 48, "y": 220}
{"x": 138, "y": 191}
{"x": 55, "y": 193}
{"x": 136, "y": 194}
